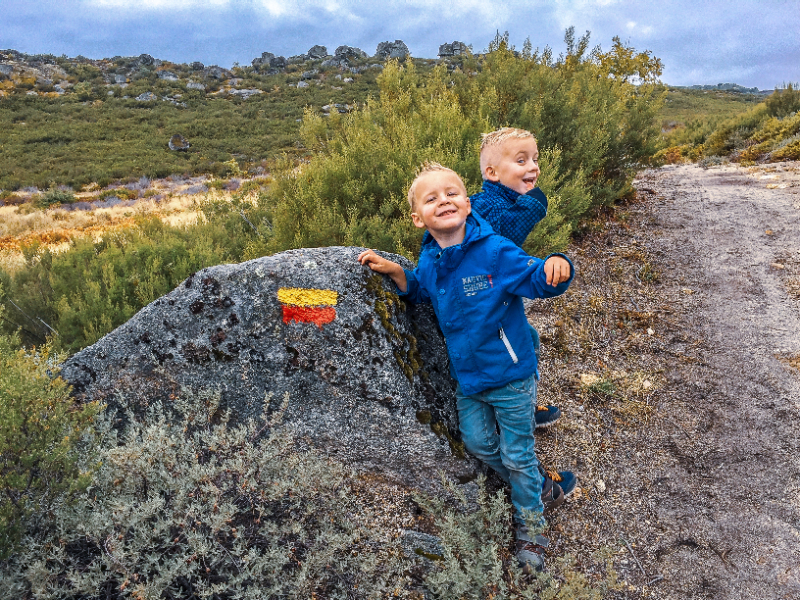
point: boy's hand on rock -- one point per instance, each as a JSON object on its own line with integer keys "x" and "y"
{"x": 379, "y": 264}
{"x": 557, "y": 269}
{"x": 370, "y": 259}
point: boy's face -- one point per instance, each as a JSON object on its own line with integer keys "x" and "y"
{"x": 515, "y": 164}
{"x": 441, "y": 204}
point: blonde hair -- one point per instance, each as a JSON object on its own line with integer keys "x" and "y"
{"x": 424, "y": 169}
{"x": 495, "y": 139}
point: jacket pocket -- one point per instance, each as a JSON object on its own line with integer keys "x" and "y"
{"x": 508, "y": 345}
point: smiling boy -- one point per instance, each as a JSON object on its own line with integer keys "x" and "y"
{"x": 475, "y": 280}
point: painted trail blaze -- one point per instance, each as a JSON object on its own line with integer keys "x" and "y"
{"x": 308, "y": 305}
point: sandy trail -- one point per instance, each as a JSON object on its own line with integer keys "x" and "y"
{"x": 723, "y": 488}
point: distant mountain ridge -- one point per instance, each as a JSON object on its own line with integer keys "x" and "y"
{"x": 726, "y": 87}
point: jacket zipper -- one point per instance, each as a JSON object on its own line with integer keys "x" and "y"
{"x": 508, "y": 346}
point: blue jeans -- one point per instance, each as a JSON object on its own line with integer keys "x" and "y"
{"x": 511, "y": 452}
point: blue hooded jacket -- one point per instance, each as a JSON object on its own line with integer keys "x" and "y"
{"x": 476, "y": 289}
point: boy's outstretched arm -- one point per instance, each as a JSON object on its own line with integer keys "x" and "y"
{"x": 381, "y": 265}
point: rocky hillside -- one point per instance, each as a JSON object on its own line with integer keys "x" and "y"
{"x": 53, "y": 76}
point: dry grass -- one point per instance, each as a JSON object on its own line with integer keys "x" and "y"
{"x": 56, "y": 228}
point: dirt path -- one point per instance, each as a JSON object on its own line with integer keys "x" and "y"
{"x": 696, "y": 485}
{"x": 733, "y": 508}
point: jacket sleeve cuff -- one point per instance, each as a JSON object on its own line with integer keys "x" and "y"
{"x": 412, "y": 285}
{"x": 564, "y": 284}
{"x": 538, "y": 195}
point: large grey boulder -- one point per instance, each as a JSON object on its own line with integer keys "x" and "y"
{"x": 454, "y": 49}
{"x": 167, "y": 76}
{"x": 395, "y": 49}
{"x": 215, "y": 72}
{"x": 349, "y": 53}
{"x": 366, "y": 374}
{"x": 269, "y": 61}
{"x": 317, "y": 52}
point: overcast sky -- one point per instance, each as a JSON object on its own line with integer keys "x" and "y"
{"x": 755, "y": 43}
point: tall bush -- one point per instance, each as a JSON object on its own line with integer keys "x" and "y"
{"x": 40, "y": 430}
{"x": 598, "y": 107}
{"x": 87, "y": 291}
{"x": 595, "y": 127}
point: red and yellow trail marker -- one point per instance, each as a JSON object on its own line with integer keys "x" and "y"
{"x": 305, "y": 305}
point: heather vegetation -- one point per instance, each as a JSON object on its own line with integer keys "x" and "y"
{"x": 184, "y": 506}
{"x": 76, "y": 140}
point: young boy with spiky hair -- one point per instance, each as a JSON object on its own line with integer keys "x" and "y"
{"x": 476, "y": 279}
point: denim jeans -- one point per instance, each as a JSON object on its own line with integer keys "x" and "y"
{"x": 511, "y": 452}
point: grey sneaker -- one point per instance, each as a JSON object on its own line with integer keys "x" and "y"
{"x": 530, "y": 551}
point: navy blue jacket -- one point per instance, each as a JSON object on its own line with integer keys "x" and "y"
{"x": 511, "y": 214}
{"x": 476, "y": 289}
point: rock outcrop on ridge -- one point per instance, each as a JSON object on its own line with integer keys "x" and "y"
{"x": 366, "y": 374}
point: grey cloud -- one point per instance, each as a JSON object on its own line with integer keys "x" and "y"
{"x": 747, "y": 42}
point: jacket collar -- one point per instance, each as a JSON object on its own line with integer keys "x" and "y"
{"x": 450, "y": 257}
{"x": 498, "y": 189}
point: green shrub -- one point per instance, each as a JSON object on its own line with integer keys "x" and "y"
{"x": 352, "y": 190}
{"x": 783, "y": 102}
{"x": 586, "y": 104}
{"x": 122, "y": 193}
{"x": 54, "y": 196}
{"x": 93, "y": 287}
{"x": 40, "y": 428}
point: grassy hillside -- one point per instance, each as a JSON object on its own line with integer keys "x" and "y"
{"x": 69, "y": 141}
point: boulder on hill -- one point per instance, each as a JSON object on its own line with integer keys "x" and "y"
{"x": 454, "y": 49}
{"x": 349, "y": 53}
{"x": 215, "y": 72}
{"x": 395, "y": 49}
{"x": 366, "y": 375}
{"x": 146, "y": 60}
{"x": 197, "y": 66}
{"x": 317, "y": 52}
{"x": 270, "y": 61}
{"x": 178, "y": 143}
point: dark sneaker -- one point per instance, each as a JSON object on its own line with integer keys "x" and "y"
{"x": 546, "y": 415}
{"x": 566, "y": 480}
{"x": 552, "y": 494}
{"x": 530, "y": 551}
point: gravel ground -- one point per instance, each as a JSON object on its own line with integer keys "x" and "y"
{"x": 675, "y": 358}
